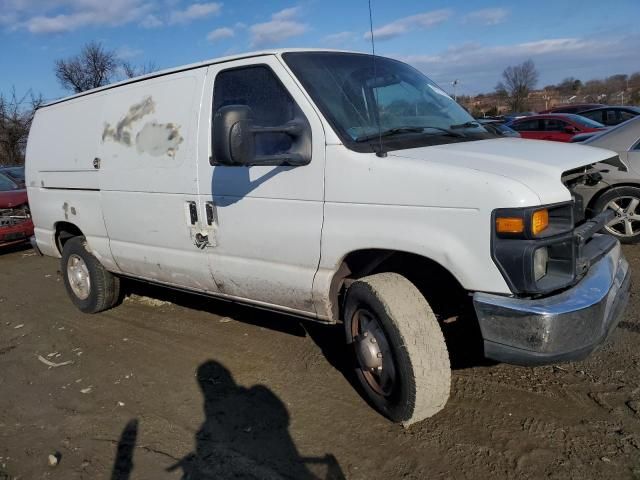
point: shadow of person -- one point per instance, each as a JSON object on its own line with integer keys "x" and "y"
{"x": 123, "y": 464}
{"x": 245, "y": 435}
{"x": 231, "y": 184}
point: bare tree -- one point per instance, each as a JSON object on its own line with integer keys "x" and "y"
{"x": 93, "y": 67}
{"x": 518, "y": 81}
{"x": 16, "y": 115}
{"x": 130, "y": 70}
{"x": 569, "y": 86}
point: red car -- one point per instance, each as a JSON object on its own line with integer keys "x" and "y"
{"x": 15, "y": 219}
{"x": 559, "y": 127}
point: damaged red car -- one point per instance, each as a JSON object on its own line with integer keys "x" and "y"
{"x": 15, "y": 218}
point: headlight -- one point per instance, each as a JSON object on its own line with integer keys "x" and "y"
{"x": 534, "y": 247}
{"x": 540, "y": 260}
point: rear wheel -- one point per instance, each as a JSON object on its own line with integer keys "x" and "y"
{"x": 401, "y": 358}
{"x": 625, "y": 203}
{"x": 90, "y": 286}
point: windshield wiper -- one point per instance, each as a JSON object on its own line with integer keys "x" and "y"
{"x": 465, "y": 125}
{"x": 409, "y": 129}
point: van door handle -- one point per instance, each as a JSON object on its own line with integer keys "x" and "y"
{"x": 193, "y": 212}
{"x": 211, "y": 213}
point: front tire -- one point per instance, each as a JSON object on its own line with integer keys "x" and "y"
{"x": 91, "y": 287}
{"x": 625, "y": 202}
{"x": 402, "y": 361}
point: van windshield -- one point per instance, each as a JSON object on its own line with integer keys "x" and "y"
{"x": 355, "y": 95}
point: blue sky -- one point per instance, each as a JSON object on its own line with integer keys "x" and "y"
{"x": 472, "y": 41}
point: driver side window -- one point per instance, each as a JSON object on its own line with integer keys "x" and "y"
{"x": 271, "y": 104}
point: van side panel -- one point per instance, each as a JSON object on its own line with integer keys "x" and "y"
{"x": 62, "y": 183}
{"x": 268, "y": 219}
{"x": 148, "y": 178}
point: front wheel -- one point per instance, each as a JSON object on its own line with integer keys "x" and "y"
{"x": 624, "y": 201}
{"x": 91, "y": 287}
{"x": 401, "y": 358}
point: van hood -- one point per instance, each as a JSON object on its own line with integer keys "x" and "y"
{"x": 538, "y": 164}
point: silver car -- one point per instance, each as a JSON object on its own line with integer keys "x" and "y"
{"x": 615, "y": 184}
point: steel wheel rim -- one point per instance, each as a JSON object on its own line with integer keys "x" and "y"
{"x": 78, "y": 275}
{"x": 627, "y": 220}
{"x": 373, "y": 352}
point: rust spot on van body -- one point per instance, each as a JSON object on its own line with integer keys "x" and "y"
{"x": 121, "y": 133}
{"x": 154, "y": 138}
{"x": 159, "y": 139}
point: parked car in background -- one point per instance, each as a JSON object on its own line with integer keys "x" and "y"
{"x": 615, "y": 183}
{"x": 15, "y": 218}
{"x": 14, "y": 173}
{"x": 581, "y": 137}
{"x": 510, "y": 117}
{"x": 497, "y": 127}
{"x": 559, "y": 127}
{"x": 573, "y": 108}
{"x": 610, "y": 116}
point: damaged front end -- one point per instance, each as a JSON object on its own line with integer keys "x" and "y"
{"x": 587, "y": 181}
{"x": 591, "y": 280}
{"x": 16, "y": 225}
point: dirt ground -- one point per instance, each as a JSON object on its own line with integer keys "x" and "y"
{"x": 203, "y": 389}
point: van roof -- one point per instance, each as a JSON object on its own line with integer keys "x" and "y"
{"x": 191, "y": 66}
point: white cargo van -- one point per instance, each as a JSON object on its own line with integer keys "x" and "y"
{"x": 331, "y": 185}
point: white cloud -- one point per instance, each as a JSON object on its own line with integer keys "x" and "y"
{"x": 57, "y": 16}
{"x": 487, "y": 16}
{"x": 125, "y": 52}
{"x": 8, "y": 18}
{"x": 283, "y": 25}
{"x": 220, "y": 33}
{"x": 151, "y": 21}
{"x": 338, "y": 39}
{"x": 479, "y": 67}
{"x": 194, "y": 12}
{"x": 286, "y": 14}
{"x": 407, "y": 24}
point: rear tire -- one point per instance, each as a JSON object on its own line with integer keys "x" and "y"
{"x": 625, "y": 202}
{"x": 91, "y": 287}
{"x": 402, "y": 361}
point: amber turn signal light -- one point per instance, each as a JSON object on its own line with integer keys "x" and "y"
{"x": 539, "y": 221}
{"x": 509, "y": 225}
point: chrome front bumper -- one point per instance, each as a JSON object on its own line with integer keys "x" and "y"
{"x": 563, "y": 327}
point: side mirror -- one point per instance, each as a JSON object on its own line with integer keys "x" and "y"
{"x": 234, "y": 139}
{"x": 233, "y": 143}
{"x": 570, "y": 129}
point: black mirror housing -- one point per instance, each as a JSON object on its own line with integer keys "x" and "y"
{"x": 234, "y": 142}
